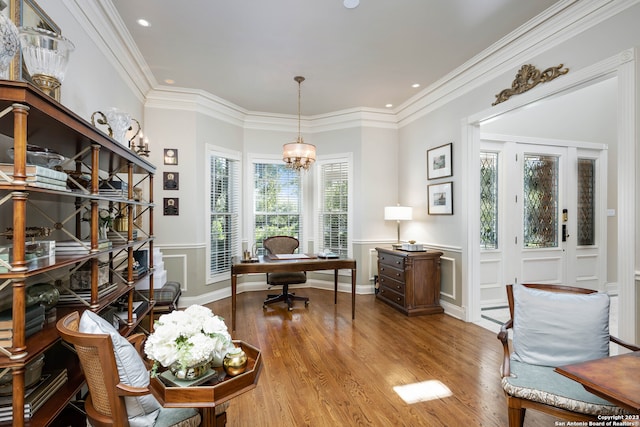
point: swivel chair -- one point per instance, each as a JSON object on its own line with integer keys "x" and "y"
{"x": 283, "y": 245}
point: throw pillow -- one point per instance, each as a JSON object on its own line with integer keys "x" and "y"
{"x": 142, "y": 411}
{"x": 555, "y": 329}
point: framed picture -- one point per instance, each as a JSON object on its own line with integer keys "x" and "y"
{"x": 440, "y": 198}
{"x": 171, "y": 206}
{"x": 439, "y": 162}
{"x": 170, "y": 180}
{"x": 170, "y": 156}
{"x": 27, "y": 13}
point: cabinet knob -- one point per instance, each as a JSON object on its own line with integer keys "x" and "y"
{"x": 398, "y": 299}
{"x": 398, "y": 287}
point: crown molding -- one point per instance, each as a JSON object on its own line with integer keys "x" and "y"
{"x": 104, "y": 26}
{"x": 557, "y": 24}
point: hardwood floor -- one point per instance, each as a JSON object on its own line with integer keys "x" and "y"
{"x": 323, "y": 369}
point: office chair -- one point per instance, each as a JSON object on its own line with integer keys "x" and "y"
{"x": 284, "y": 245}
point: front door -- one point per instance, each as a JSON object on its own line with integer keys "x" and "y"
{"x": 547, "y": 225}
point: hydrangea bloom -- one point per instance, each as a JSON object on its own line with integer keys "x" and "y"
{"x": 188, "y": 337}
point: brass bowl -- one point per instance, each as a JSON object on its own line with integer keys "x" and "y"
{"x": 235, "y": 362}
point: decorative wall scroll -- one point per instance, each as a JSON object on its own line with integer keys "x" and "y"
{"x": 527, "y": 78}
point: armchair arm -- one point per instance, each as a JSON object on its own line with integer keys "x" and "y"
{"x": 625, "y": 344}
{"x": 503, "y": 336}
{"x": 137, "y": 340}
{"x": 127, "y": 390}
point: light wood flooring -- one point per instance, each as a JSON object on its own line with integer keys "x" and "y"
{"x": 321, "y": 368}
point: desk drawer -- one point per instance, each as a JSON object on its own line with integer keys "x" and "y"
{"x": 392, "y": 284}
{"x": 390, "y": 272}
{"x": 390, "y": 260}
{"x": 391, "y": 296}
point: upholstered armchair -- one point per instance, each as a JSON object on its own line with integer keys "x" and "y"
{"x": 117, "y": 377}
{"x": 553, "y": 326}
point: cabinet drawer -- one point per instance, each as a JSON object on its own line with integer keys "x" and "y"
{"x": 391, "y": 273}
{"x": 391, "y": 296}
{"x": 391, "y": 260}
{"x": 391, "y": 284}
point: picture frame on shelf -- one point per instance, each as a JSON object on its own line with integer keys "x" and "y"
{"x": 170, "y": 180}
{"x": 171, "y": 206}
{"x": 440, "y": 198}
{"x": 27, "y": 13}
{"x": 439, "y": 162}
{"x": 170, "y": 156}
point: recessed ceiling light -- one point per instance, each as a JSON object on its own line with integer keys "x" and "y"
{"x": 389, "y": 105}
{"x": 143, "y": 22}
{"x": 415, "y": 85}
{"x": 169, "y": 81}
{"x": 351, "y": 4}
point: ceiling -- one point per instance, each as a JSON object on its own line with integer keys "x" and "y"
{"x": 247, "y": 52}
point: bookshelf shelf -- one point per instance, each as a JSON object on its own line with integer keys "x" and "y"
{"x": 93, "y": 154}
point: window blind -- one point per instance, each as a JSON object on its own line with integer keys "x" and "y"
{"x": 333, "y": 208}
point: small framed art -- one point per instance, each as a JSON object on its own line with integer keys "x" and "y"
{"x": 170, "y": 180}
{"x": 439, "y": 162}
{"x": 440, "y": 198}
{"x": 170, "y": 156}
{"x": 171, "y": 206}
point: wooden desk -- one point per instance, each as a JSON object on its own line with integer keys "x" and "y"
{"x": 612, "y": 378}
{"x": 267, "y": 265}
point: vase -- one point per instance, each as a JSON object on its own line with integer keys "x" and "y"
{"x": 190, "y": 372}
{"x": 10, "y": 44}
{"x": 235, "y": 362}
{"x": 103, "y": 232}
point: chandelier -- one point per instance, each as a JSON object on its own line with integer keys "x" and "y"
{"x": 298, "y": 155}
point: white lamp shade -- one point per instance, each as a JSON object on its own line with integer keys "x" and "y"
{"x": 398, "y": 213}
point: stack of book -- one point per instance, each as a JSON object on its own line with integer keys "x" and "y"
{"x": 139, "y": 308}
{"x": 74, "y": 297}
{"x": 37, "y": 176}
{"x": 114, "y": 189}
{"x": 79, "y": 247}
{"x": 34, "y": 322}
{"x": 35, "y": 396}
{"x": 121, "y": 236}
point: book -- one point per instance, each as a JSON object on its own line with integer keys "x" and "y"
{"x": 138, "y": 308}
{"x": 29, "y": 324}
{"x": 72, "y": 247}
{"x": 35, "y": 396}
{"x": 32, "y": 312}
{"x": 68, "y": 298}
{"x": 28, "y": 331}
{"x": 35, "y": 171}
{"x": 169, "y": 379}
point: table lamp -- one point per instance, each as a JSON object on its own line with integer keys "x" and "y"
{"x": 398, "y": 213}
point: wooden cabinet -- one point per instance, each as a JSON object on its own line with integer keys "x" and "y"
{"x": 410, "y": 281}
{"x": 27, "y": 116}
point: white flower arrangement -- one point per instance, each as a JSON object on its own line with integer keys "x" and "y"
{"x": 188, "y": 337}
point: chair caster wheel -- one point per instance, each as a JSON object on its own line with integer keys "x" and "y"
{"x": 306, "y": 303}
{"x": 290, "y": 308}
{"x": 264, "y": 306}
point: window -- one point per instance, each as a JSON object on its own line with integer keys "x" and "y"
{"x": 277, "y": 202}
{"x": 333, "y": 226}
{"x": 224, "y": 210}
{"x": 586, "y": 202}
{"x": 488, "y": 200}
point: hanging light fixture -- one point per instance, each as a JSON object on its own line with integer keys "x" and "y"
{"x": 298, "y": 155}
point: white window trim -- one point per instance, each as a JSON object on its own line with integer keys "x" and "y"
{"x": 213, "y": 150}
{"x": 326, "y": 159}
{"x": 249, "y": 220}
